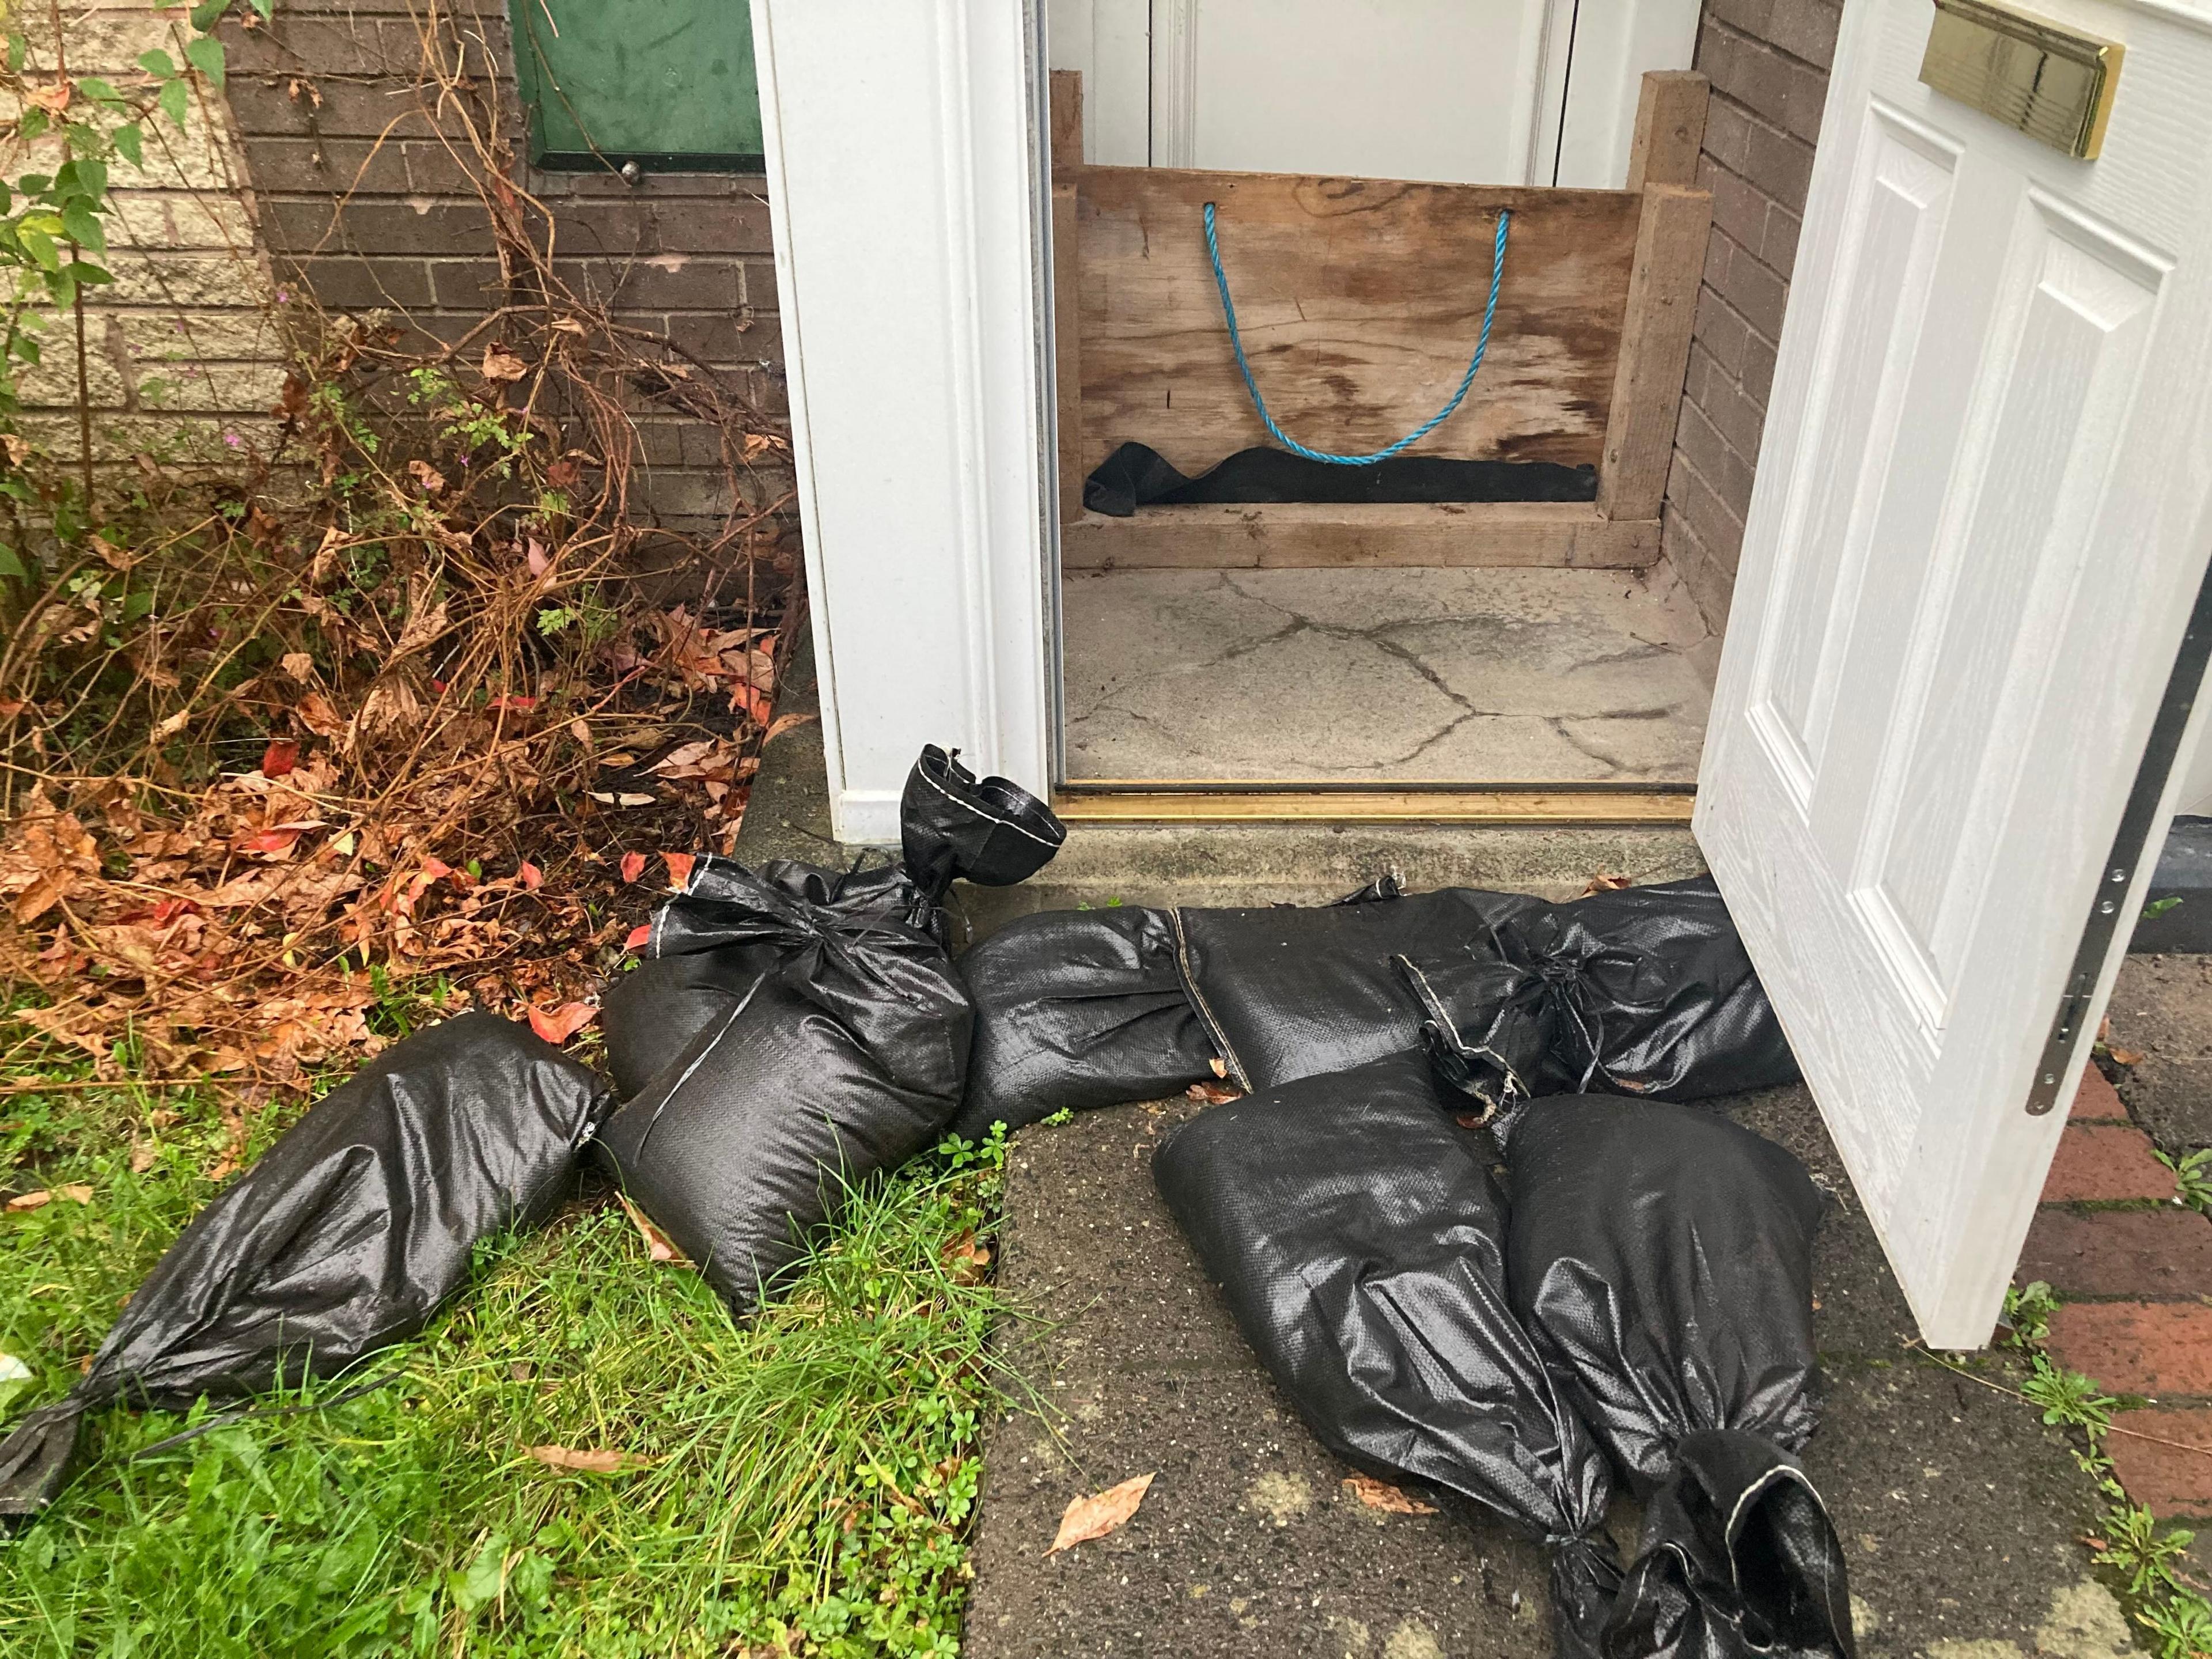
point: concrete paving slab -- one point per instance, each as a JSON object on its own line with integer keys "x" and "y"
{"x": 2161, "y": 1008}
{"x": 1494, "y": 676}
{"x": 1959, "y": 1508}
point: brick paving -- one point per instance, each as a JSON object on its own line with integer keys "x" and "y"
{"x": 2134, "y": 1274}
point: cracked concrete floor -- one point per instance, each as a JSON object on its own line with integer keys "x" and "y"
{"x": 1471, "y": 676}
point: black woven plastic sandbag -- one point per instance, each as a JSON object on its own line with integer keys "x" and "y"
{"x": 828, "y": 1036}
{"x": 1360, "y": 1239}
{"x": 1291, "y": 991}
{"x": 1641, "y": 990}
{"x": 343, "y": 1238}
{"x": 1076, "y": 1009}
{"x": 844, "y": 1056}
{"x": 1660, "y": 1256}
{"x": 985, "y": 830}
{"x": 651, "y": 1014}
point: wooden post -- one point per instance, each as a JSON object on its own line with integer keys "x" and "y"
{"x": 1066, "y": 134}
{"x": 1670, "y": 129}
{"x": 1066, "y": 349}
{"x": 1065, "y": 130}
{"x": 1662, "y": 295}
{"x": 1655, "y": 350}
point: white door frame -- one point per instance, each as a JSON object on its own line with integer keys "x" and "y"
{"x": 907, "y": 198}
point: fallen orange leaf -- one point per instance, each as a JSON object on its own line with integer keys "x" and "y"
{"x": 658, "y": 1245}
{"x": 592, "y": 1462}
{"x": 747, "y": 700}
{"x": 638, "y": 935}
{"x": 532, "y": 876}
{"x": 679, "y": 868}
{"x": 1380, "y": 1495}
{"x": 557, "y": 1025}
{"x": 278, "y": 759}
{"x": 783, "y": 724}
{"x": 75, "y": 1191}
{"x": 1095, "y": 1516}
{"x": 966, "y": 1257}
{"x": 633, "y": 867}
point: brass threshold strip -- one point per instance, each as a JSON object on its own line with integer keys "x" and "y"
{"x": 1277, "y": 804}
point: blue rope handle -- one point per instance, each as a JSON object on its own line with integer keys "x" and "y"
{"x": 1466, "y": 381}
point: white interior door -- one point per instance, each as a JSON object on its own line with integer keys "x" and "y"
{"x": 1434, "y": 89}
{"x": 1979, "y": 529}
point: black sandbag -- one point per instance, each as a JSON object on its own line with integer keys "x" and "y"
{"x": 1293, "y": 991}
{"x": 343, "y": 1238}
{"x": 1660, "y": 1257}
{"x": 651, "y": 1014}
{"x": 845, "y": 1055}
{"x": 1136, "y": 475}
{"x": 1359, "y": 1239}
{"x": 1638, "y": 990}
{"x": 1076, "y": 1009}
{"x": 699, "y": 960}
{"x": 986, "y": 830}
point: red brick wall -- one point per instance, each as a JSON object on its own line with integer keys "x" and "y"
{"x": 1768, "y": 63}
{"x": 359, "y": 195}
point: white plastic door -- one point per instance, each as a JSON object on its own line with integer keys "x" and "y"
{"x": 1979, "y": 527}
{"x": 1436, "y": 89}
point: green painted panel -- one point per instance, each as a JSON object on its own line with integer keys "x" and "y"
{"x": 667, "y": 83}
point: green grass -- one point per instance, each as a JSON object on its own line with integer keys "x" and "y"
{"x": 810, "y": 1488}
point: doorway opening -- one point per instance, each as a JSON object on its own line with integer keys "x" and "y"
{"x": 1522, "y": 634}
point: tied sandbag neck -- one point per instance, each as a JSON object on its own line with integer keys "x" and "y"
{"x": 1545, "y": 1005}
{"x": 990, "y": 831}
{"x": 1450, "y": 407}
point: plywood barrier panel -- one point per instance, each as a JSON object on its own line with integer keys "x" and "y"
{"x": 1360, "y": 300}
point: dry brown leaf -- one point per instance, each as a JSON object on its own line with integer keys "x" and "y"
{"x": 427, "y": 475}
{"x": 593, "y": 1461}
{"x": 658, "y": 1245}
{"x": 2126, "y": 1056}
{"x": 1380, "y": 1495}
{"x": 53, "y": 98}
{"x": 1605, "y": 882}
{"x": 783, "y": 724}
{"x": 499, "y": 365}
{"x": 557, "y": 1025}
{"x": 316, "y": 713}
{"x": 76, "y": 1191}
{"x": 966, "y": 1257}
{"x": 1095, "y": 1516}
{"x": 1214, "y": 1093}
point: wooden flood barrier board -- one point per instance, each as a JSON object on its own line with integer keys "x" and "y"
{"x": 1360, "y": 300}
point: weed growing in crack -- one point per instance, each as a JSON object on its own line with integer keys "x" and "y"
{"x": 2141, "y": 1562}
{"x": 2193, "y": 1178}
